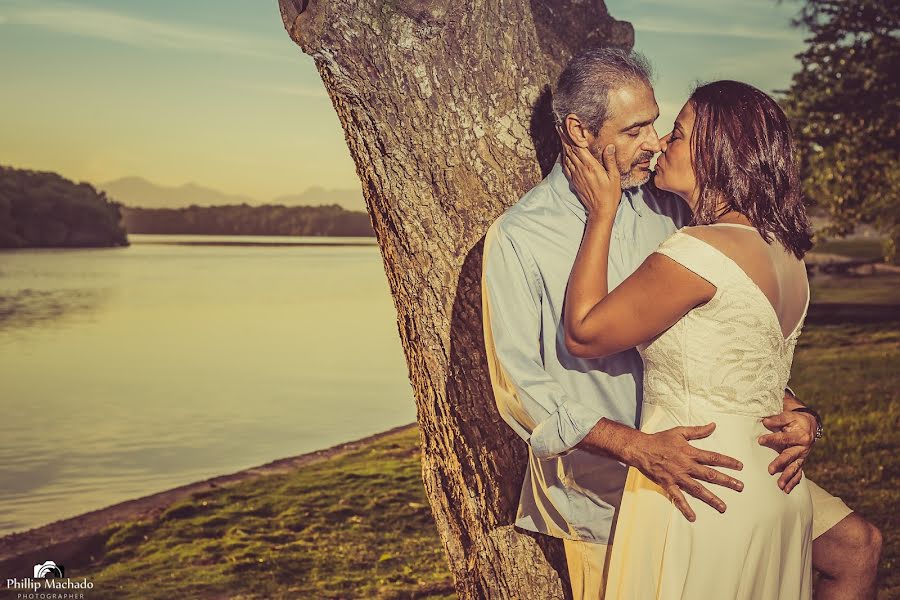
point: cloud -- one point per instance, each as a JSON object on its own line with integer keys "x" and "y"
{"x": 138, "y": 31}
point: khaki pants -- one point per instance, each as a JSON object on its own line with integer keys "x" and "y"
{"x": 587, "y": 568}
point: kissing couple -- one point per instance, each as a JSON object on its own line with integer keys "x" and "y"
{"x": 640, "y": 328}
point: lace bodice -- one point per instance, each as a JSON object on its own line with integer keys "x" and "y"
{"x": 728, "y": 355}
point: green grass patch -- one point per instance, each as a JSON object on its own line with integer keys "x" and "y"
{"x": 862, "y": 249}
{"x": 355, "y": 526}
{"x": 868, "y": 289}
{"x": 849, "y": 373}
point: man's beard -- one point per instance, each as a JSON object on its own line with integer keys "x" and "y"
{"x": 633, "y": 179}
{"x": 630, "y": 181}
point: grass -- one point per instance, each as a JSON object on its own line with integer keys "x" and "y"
{"x": 858, "y": 248}
{"x": 354, "y": 526}
{"x": 831, "y": 290}
{"x": 849, "y": 373}
{"x": 359, "y": 525}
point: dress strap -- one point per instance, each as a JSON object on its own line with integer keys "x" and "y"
{"x": 698, "y": 256}
{"x": 741, "y": 225}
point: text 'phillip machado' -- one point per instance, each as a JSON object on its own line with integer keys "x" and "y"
{"x": 49, "y": 583}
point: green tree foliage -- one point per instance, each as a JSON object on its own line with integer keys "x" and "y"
{"x": 40, "y": 208}
{"x": 244, "y": 219}
{"x": 843, "y": 105}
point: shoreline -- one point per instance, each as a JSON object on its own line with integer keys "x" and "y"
{"x": 78, "y": 540}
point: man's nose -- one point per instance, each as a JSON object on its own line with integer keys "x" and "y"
{"x": 652, "y": 143}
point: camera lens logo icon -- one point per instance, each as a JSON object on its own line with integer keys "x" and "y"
{"x": 48, "y": 570}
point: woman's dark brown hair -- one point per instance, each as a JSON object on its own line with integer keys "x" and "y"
{"x": 743, "y": 154}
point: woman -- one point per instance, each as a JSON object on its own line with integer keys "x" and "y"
{"x": 715, "y": 313}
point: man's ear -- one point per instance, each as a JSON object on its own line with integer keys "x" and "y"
{"x": 576, "y": 131}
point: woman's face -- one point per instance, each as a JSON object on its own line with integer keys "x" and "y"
{"x": 674, "y": 171}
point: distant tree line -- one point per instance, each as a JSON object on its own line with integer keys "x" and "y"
{"x": 243, "y": 219}
{"x": 41, "y": 208}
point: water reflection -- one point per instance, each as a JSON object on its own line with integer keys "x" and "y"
{"x": 127, "y": 371}
{"x": 30, "y": 307}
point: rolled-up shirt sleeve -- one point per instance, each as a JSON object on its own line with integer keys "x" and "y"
{"x": 529, "y": 400}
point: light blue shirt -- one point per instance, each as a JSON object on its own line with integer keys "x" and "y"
{"x": 550, "y": 398}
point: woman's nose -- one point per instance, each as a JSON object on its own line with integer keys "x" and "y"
{"x": 663, "y": 143}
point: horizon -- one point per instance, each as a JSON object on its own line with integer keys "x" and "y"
{"x": 251, "y": 127}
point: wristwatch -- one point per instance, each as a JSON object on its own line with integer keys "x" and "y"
{"x": 820, "y": 431}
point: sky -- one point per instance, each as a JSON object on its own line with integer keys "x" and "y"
{"x": 214, "y": 92}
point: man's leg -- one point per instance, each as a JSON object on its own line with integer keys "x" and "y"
{"x": 846, "y": 549}
{"x": 587, "y": 566}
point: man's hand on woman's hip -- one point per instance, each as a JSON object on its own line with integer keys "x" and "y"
{"x": 667, "y": 459}
{"x": 793, "y": 436}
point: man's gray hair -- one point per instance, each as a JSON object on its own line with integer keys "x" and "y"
{"x": 584, "y": 85}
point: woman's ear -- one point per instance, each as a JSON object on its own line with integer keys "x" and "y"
{"x": 577, "y": 133}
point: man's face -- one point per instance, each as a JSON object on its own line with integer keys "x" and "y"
{"x": 629, "y": 125}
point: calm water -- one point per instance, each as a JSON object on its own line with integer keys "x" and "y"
{"x": 132, "y": 370}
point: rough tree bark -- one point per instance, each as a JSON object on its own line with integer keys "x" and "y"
{"x": 445, "y": 108}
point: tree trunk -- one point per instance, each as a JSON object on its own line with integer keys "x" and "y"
{"x": 446, "y": 110}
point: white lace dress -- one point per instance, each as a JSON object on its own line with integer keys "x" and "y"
{"x": 726, "y": 361}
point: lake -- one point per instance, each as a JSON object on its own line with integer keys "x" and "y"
{"x": 128, "y": 371}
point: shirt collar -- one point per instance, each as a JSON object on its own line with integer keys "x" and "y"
{"x": 560, "y": 184}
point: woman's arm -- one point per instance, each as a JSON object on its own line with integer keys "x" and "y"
{"x": 599, "y": 323}
{"x": 650, "y": 301}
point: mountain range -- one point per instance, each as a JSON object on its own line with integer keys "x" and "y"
{"x": 138, "y": 192}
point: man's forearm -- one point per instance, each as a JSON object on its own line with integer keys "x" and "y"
{"x": 610, "y": 438}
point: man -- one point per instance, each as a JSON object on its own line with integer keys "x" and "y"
{"x": 579, "y": 416}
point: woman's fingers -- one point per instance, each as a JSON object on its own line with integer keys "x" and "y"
{"x": 574, "y": 155}
{"x": 589, "y": 161}
{"x": 610, "y": 166}
{"x": 563, "y": 135}
{"x": 568, "y": 155}
{"x": 579, "y": 157}
{"x": 568, "y": 147}
{"x": 570, "y": 169}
